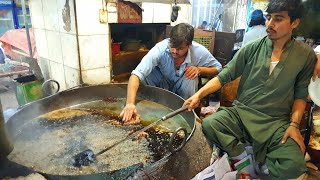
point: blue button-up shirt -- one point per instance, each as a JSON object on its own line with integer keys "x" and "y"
{"x": 159, "y": 56}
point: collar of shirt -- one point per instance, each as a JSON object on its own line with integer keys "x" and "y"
{"x": 270, "y": 45}
{"x": 289, "y": 44}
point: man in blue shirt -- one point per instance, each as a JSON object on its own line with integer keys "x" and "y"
{"x": 173, "y": 64}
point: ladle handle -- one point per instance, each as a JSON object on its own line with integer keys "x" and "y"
{"x": 178, "y": 111}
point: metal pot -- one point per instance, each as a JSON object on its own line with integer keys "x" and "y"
{"x": 73, "y": 97}
{"x": 5, "y": 146}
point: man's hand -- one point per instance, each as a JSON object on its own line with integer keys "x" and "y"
{"x": 294, "y": 133}
{"x": 128, "y": 112}
{"x": 192, "y": 102}
{"x": 316, "y": 72}
{"x": 191, "y": 72}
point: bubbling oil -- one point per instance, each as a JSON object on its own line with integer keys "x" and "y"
{"x": 48, "y": 142}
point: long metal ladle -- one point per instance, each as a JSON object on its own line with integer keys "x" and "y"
{"x": 86, "y": 157}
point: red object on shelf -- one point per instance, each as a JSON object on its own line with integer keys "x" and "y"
{"x": 115, "y": 48}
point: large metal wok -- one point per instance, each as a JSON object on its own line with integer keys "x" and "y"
{"x": 152, "y": 104}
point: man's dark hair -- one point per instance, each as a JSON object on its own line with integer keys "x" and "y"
{"x": 257, "y": 22}
{"x": 294, "y": 8}
{"x": 181, "y": 33}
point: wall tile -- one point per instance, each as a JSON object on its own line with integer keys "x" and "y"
{"x": 112, "y": 12}
{"x": 156, "y": 13}
{"x": 97, "y": 76}
{"x": 54, "y": 46}
{"x": 147, "y": 13}
{"x": 70, "y": 50}
{"x": 162, "y": 13}
{"x": 94, "y": 51}
{"x": 58, "y": 74}
{"x": 50, "y": 15}
{"x": 36, "y": 13}
{"x": 41, "y": 43}
{"x": 113, "y": 17}
{"x": 72, "y": 77}
{"x": 66, "y": 12}
{"x": 45, "y": 67}
{"x": 88, "y": 18}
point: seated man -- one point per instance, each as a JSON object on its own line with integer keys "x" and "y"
{"x": 173, "y": 64}
{"x": 275, "y": 72}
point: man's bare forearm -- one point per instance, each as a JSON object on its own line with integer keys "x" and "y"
{"x": 212, "y": 86}
{"x": 208, "y": 71}
{"x": 132, "y": 89}
{"x": 298, "y": 108}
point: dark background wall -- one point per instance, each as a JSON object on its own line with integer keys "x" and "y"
{"x": 310, "y": 23}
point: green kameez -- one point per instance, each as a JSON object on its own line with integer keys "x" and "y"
{"x": 261, "y": 113}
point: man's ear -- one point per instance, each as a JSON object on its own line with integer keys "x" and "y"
{"x": 295, "y": 23}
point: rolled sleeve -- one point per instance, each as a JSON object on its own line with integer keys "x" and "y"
{"x": 301, "y": 93}
{"x": 304, "y": 78}
{"x": 234, "y": 68}
{"x": 212, "y": 62}
{"x": 223, "y": 78}
{"x": 148, "y": 62}
{"x": 139, "y": 74}
{"x": 216, "y": 64}
{"x": 203, "y": 58}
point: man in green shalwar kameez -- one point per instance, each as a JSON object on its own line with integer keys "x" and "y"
{"x": 275, "y": 72}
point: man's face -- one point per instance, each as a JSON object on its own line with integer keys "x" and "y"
{"x": 279, "y": 25}
{"x": 179, "y": 52}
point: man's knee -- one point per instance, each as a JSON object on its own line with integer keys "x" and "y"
{"x": 290, "y": 167}
{"x": 290, "y": 170}
{"x": 209, "y": 127}
{"x": 207, "y": 130}
{"x": 296, "y": 167}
